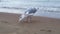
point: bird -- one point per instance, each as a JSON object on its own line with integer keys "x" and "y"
{"x": 28, "y": 14}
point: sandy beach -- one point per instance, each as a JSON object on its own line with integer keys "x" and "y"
{"x": 40, "y": 25}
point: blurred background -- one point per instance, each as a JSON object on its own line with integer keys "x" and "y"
{"x": 48, "y": 8}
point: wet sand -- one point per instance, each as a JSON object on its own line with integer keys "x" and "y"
{"x": 40, "y": 25}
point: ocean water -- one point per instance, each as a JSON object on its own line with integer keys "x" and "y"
{"x": 47, "y": 8}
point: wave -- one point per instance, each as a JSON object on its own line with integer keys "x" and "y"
{"x": 13, "y": 8}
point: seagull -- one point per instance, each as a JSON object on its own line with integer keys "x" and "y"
{"x": 27, "y": 14}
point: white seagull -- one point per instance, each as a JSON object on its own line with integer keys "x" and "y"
{"x": 28, "y": 13}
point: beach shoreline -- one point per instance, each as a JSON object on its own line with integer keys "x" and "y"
{"x": 40, "y": 25}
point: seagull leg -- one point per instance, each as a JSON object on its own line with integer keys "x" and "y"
{"x": 30, "y": 19}
{"x": 27, "y": 19}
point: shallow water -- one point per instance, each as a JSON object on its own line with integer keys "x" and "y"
{"x": 38, "y": 13}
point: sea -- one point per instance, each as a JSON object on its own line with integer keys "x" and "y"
{"x": 47, "y": 8}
